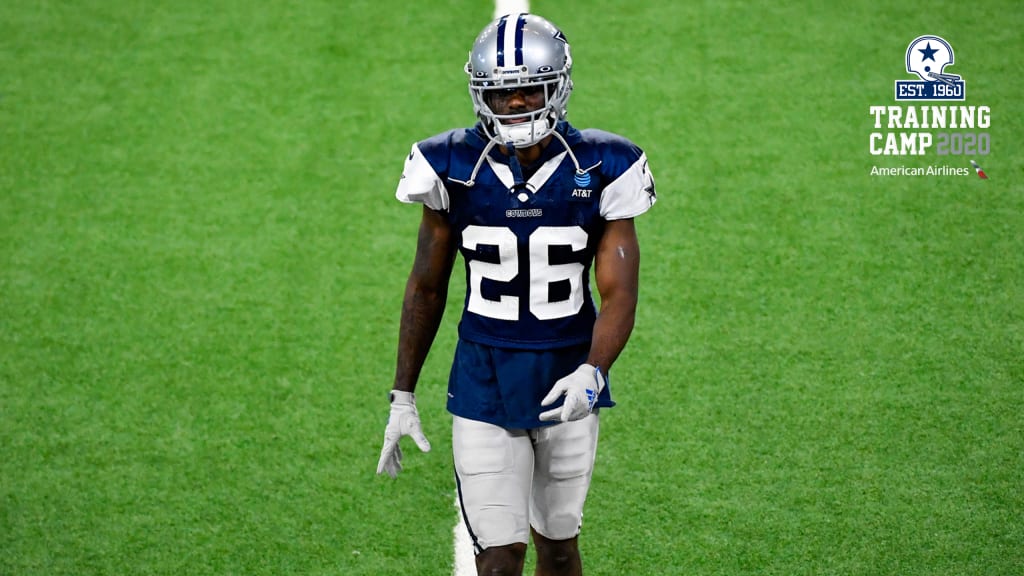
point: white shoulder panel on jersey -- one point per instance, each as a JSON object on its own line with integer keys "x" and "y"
{"x": 631, "y": 194}
{"x": 421, "y": 184}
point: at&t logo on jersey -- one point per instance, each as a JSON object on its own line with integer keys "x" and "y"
{"x": 582, "y": 180}
{"x": 927, "y": 58}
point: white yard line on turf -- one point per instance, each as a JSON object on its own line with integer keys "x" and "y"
{"x": 502, "y": 7}
{"x": 465, "y": 560}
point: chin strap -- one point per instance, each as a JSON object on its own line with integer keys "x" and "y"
{"x": 476, "y": 168}
{"x": 513, "y": 162}
{"x": 575, "y": 162}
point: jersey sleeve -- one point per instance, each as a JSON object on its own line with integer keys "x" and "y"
{"x": 632, "y": 192}
{"x": 420, "y": 182}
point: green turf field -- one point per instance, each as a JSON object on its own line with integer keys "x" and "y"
{"x": 202, "y": 265}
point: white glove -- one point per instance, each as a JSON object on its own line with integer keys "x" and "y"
{"x": 404, "y": 420}
{"x": 580, "y": 388}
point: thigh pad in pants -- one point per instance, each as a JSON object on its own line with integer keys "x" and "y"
{"x": 564, "y": 463}
{"x": 493, "y": 471}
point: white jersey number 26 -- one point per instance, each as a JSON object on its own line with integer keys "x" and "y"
{"x": 541, "y": 273}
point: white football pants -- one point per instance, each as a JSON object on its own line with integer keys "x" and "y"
{"x": 510, "y": 479}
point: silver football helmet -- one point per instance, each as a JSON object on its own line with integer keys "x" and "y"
{"x": 520, "y": 51}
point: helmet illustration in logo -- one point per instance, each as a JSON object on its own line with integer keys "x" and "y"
{"x": 927, "y": 56}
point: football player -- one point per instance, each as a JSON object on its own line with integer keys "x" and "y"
{"x": 531, "y": 203}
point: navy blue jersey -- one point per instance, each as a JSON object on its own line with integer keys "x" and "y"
{"x": 528, "y": 235}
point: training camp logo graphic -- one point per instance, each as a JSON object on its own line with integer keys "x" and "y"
{"x": 911, "y": 128}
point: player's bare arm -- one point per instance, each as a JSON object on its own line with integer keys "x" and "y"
{"x": 616, "y": 272}
{"x": 426, "y": 293}
{"x": 422, "y": 308}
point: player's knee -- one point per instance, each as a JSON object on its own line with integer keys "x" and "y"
{"x": 501, "y": 560}
{"x": 557, "y": 556}
{"x": 559, "y": 562}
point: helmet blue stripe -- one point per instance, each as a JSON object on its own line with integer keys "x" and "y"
{"x": 520, "y": 23}
{"x": 501, "y": 41}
